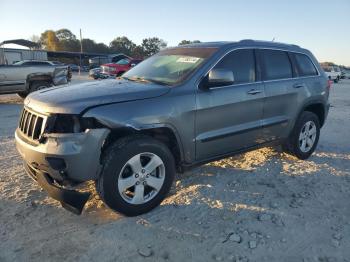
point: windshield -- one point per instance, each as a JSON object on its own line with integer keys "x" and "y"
{"x": 171, "y": 66}
{"x": 123, "y": 62}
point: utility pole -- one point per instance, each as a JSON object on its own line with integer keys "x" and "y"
{"x": 81, "y": 50}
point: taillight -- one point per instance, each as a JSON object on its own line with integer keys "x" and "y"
{"x": 329, "y": 84}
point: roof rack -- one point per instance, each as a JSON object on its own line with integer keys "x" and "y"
{"x": 261, "y": 41}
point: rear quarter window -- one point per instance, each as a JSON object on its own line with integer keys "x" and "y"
{"x": 305, "y": 65}
{"x": 276, "y": 64}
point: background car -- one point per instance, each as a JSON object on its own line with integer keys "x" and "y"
{"x": 332, "y": 71}
{"x": 95, "y": 73}
{"x": 100, "y": 60}
{"x": 119, "y": 68}
{"x": 37, "y": 63}
{"x": 74, "y": 67}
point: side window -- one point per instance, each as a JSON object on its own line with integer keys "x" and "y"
{"x": 37, "y": 63}
{"x": 305, "y": 66}
{"x": 241, "y": 63}
{"x": 42, "y": 63}
{"x": 276, "y": 64}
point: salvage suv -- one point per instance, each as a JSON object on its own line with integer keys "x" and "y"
{"x": 182, "y": 107}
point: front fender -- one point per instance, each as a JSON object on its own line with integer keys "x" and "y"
{"x": 176, "y": 115}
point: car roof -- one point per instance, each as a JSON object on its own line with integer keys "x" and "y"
{"x": 244, "y": 43}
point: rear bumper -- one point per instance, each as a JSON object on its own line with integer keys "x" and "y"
{"x": 71, "y": 200}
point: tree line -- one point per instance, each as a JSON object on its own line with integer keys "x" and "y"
{"x": 65, "y": 40}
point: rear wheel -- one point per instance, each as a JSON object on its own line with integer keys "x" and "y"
{"x": 304, "y": 137}
{"x": 136, "y": 176}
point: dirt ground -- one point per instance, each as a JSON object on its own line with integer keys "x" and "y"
{"x": 259, "y": 206}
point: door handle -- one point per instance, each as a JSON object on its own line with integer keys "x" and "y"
{"x": 254, "y": 92}
{"x": 298, "y": 85}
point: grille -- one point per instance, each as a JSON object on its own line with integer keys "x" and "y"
{"x": 31, "y": 124}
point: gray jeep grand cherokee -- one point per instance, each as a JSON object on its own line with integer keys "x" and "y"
{"x": 182, "y": 107}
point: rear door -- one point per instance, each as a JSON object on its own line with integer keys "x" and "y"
{"x": 12, "y": 78}
{"x": 228, "y": 118}
{"x": 281, "y": 90}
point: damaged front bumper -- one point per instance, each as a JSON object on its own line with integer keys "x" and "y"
{"x": 64, "y": 159}
{"x": 71, "y": 200}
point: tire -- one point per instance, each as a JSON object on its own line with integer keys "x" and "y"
{"x": 117, "y": 168}
{"x": 22, "y": 94}
{"x": 120, "y": 74}
{"x": 294, "y": 144}
{"x": 38, "y": 85}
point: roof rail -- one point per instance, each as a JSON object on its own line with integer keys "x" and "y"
{"x": 261, "y": 41}
{"x": 247, "y": 41}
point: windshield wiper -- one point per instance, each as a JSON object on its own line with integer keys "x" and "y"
{"x": 136, "y": 79}
{"x": 157, "y": 81}
{"x": 145, "y": 80}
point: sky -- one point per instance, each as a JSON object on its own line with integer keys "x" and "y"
{"x": 322, "y": 26}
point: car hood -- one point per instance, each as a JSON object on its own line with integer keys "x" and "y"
{"x": 73, "y": 99}
{"x": 111, "y": 65}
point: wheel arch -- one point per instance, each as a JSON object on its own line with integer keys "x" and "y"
{"x": 318, "y": 108}
{"x": 38, "y": 77}
{"x": 164, "y": 133}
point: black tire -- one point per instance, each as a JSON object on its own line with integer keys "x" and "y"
{"x": 38, "y": 85}
{"x": 120, "y": 74}
{"x": 116, "y": 156}
{"x": 292, "y": 145}
{"x": 22, "y": 94}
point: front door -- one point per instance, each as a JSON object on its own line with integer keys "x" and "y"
{"x": 228, "y": 118}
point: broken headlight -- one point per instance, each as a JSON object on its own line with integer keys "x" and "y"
{"x": 64, "y": 123}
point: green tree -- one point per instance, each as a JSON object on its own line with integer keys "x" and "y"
{"x": 65, "y": 34}
{"x": 122, "y": 45}
{"x": 138, "y": 52}
{"x": 152, "y": 45}
{"x": 67, "y": 41}
{"x": 90, "y": 45}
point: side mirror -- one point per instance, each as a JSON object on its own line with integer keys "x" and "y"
{"x": 220, "y": 77}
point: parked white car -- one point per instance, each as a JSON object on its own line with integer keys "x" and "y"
{"x": 346, "y": 73}
{"x": 333, "y": 72}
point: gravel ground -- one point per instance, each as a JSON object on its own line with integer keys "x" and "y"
{"x": 260, "y": 206}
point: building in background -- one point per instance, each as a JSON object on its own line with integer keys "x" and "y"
{"x": 28, "y": 52}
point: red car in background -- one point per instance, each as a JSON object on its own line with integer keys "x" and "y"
{"x": 119, "y": 68}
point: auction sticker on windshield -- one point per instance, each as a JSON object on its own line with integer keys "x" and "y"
{"x": 187, "y": 59}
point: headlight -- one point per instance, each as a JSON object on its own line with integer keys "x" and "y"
{"x": 62, "y": 123}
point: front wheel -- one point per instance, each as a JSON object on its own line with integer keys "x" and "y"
{"x": 304, "y": 137}
{"x": 38, "y": 85}
{"x": 22, "y": 94}
{"x": 137, "y": 174}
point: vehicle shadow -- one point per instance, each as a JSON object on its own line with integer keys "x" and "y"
{"x": 260, "y": 195}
